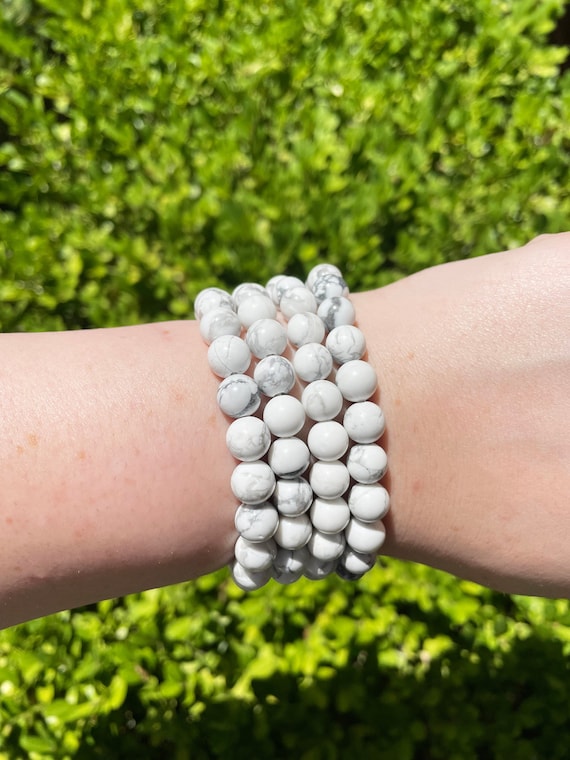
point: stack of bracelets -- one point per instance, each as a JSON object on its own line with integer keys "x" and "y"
{"x": 331, "y": 519}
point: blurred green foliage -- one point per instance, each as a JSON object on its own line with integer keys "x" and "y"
{"x": 151, "y": 148}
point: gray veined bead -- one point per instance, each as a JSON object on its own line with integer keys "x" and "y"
{"x": 248, "y": 580}
{"x": 364, "y": 422}
{"x": 336, "y": 311}
{"x": 274, "y": 375}
{"x": 346, "y": 343}
{"x": 248, "y": 438}
{"x": 211, "y": 298}
{"x": 318, "y": 270}
{"x": 305, "y": 328}
{"x": 252, "y": 483}
{"x": 258, "y": 523}
{"x": 289, "y": 564}
{"x": 292, "y": 497}
{"x": 238, "y": 396}
{"x": 220, "y": 321}
{"x": 266, "y": 337}
{"x": 228, "y": 355}
{"x": 313, "y": 362}
{"x": 329, "y": 285}
{"x": 367, "y": 463}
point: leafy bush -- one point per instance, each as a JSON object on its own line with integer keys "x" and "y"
{"x": 148, "y": 149}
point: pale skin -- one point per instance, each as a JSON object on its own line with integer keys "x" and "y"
{"x": 115, "y": 475}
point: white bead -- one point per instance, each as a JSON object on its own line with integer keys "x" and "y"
{"x": 313, "y": 362}
{"x": 326, "y": 546}
{"x": 317, "y": 569}
{"x": 238, "y": 396}
{"x": 252, "y": 482}
{"x": 284, "y": 416}
{"x": 305, "y": 328}
{"x": 364, "y": 422}
{"x": 329, "y": 285}
{"x": 288, "y": 457}
{"x": 289, "y": 564}
{"x": 357, "y": 380}
{"x": 336, "y": 311}
{"x": 256, "y": 307}
{"x": 248, "y": 439}
{"x": 266, "y": 337}
{"x": 322, "y": 400}
{"x": 255, "y": 557}
{"x": 220, "y": 321}
{"x": 330, "y": 515}
{"x": 327, "y": 440}
{"x": 247, "y": 580}
{"x": 369, "y": 502}
{"x": 319, "y": 270}
{"x": 227, "y": 355}
{"x": 293, "y": 532}
{"x": 211, "y": 298}
{"x": 365, "y": 537}
{"x": 346, "y": 343}
{"x": 356, "y": 562}
{"x": 297, "y": 301}
{"x": 271, "y": 287}
{"x": 285, "y": 284}
{"x": 329, "y": 480}
{"x": 274, "y": 375}
{"x": 247, "y": 289}
{"x": 256, "y": 523}
{"x": 367, "y": 463}
{"x": 292, "y": 497}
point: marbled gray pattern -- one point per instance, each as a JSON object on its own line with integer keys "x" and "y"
{"x": 252, "y": 482}
{"x": 305, "y": 328}
{"x": 245, "y": 290}
{"x": 288, "y": 565}
{"x": 368, "y": 502}
{"x": 328, "y": 285}
{"x": 248, "y": 580}
{"x": 212, "y": 298}
{"x": 292, "y": 497}
{"x": 219, "y": 321}
{"x": 266, "y": 337}
{"x": 356, "y": 562}
{"x": 317, "y": 569}
{"x": 228, "y": 355}
{"x": 336, "y": 311}
{"x": 274, "y": 375}
{"x": 288, "y": 457}
{"x": 297, "y": 300}
{"x": 346, "y": 343}
{"x": 367, "y": 463}
{"x": 256, "y": 523}
{"x": 238, "y": 396}
{"x": 313, "y": 362}
{"x": 255, "y": 556}
{"x": 293, "y": 532}
{"x": 322, "y": 400}
{"x": 320, "y": 269}
{"x": 248, "y": 438}
{"x": 364, "y": 422}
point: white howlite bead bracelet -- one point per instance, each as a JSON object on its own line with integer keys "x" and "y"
{"x": 299, "y": 408}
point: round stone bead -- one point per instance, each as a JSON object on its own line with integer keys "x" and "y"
{"x": 238, "y": 396}
{"x": 329, "y": 285}
{"x": 367, "y": 463}
{"x": 313, "y": 362}
{"x": 247, "y": 289}
{"x": 345, "y": 575}
{"x": 292, "y": 497}
{"x": 297, "y": 301}
{"x": 248, "y": 439}
{"x": 330, "y": 515}
{"x": 256, "y": 524}
{"x": 252, "y": 483}
{"x": 317, "y": 569}
{"x": 364, "y": 422}
{"x": 305, "y": 328}
{"x": 329, "y": 480}
{"x": 288, "y": 457}
{"x": 319, "y": 270}
{"x": 357, "y": 380}
{"x": 212, "y": 298}
{"x": 284, "y": 416}
{"x": 368, "y": 502}
{"x": 327, "y": 440}
{"x": 286, "y": 283}
{"x": 326, "y": 546}
{"x": 266, "y": 337}
{"x": 271, "y": 287}
{"x": 289, "y": 564}
{"x": 356, "y": 562}
{"x": 220, "y": 321}
{"x": 336, "y": 311}
{"x": 257, "y": 306}
{"x": 255, "y": 557}
{"x": 293, "y": 532}
{"x": 248, "y": 580}
{"x": 365, "y": 537}
{"x": 274, "y": 375}
{"x": 346, "y": 343}
{"x": 322, "y": 400}
{"x": 228, "y": 355}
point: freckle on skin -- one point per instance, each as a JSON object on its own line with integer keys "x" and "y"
{"x": 20, "y": 449}
{"x": 9, "y": 521}
{"x": 81, "y": 455}
{"x": 33, "y": 439}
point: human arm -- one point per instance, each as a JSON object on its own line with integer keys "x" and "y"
{"x": 115, "y": 475}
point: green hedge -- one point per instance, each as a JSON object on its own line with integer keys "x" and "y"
{"x": 148, "y": 149}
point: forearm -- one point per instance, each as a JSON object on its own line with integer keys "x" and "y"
{"x": 115, "y": 476}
